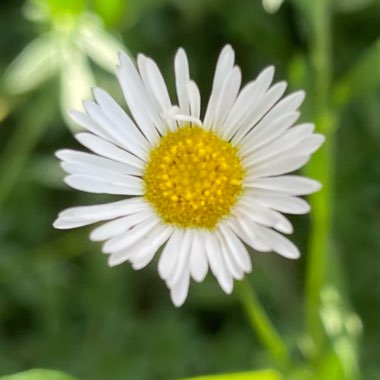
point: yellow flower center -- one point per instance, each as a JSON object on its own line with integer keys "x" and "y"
{"x": 193, "y": 178}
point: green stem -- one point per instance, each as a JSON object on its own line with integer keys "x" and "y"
{"x": 320, "y": 167}
{"x": 319, "y": 241}
{"x": 261, "y": 323}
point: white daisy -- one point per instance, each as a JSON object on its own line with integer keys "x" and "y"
{"x": 202, "y": 189}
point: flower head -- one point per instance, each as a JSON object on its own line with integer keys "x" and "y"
{"x": 201, "y": 189}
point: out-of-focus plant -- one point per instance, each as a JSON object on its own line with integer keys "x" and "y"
{"x": 70, "y": 36}
{"x": 272, "y": 6}
{"x": 73, "y": 35}
{"x": 328, "y": 342}
{"x": 332, "y": 328}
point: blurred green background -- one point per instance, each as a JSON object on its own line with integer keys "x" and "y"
{"x": 61, "y": 307}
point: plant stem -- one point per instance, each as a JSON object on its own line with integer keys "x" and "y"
{"x": 320, "y": 167}
{"x": 261, "y": 323}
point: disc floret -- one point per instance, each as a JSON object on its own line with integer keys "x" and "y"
{"x": 193, "y": 178}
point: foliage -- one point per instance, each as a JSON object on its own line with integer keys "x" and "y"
{"x": 60, "y": 305}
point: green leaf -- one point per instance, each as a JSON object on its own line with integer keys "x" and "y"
{"x": 38, "y": 374}
{"x": 362, "y": 78}
{"x": 35, "y": 64}
{"x": 251, "y": 375}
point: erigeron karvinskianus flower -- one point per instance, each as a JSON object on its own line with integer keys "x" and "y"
{"x": 203, "y": 188}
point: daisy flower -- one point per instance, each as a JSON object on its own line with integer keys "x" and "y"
{"x": 201, "y": 188}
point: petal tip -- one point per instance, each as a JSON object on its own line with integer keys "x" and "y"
{"x": 180, "y": 54}
{"x": 113, "y": 262}
{"x": 178, "y": 300}
{"x": 122, "y": 55}
{"x": 57, "y": 224}
{"x": 59, "y": 154}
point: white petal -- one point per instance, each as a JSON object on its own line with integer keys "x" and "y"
{"x": 182, "y": 78}
{"x": 179, "y": 291}
{"x": 212, "y": 251}
{"x": 144, "y": 255}
{"x": 216, "y": 262}
{"x": 265, "y": 77}
{"x": 310, "y": 144}
{"x": 229, "y": 261}
{"x": 285, "y": 106}
{"x": 94, "y": 170}
{"x": 77, "y": 157}
{"x": 276, "y": 166}
{"x": 280, "y": 202}
{"x": 113, "y": 228}
{"x": 277, "y": 142}
{"x": 187, "y": 119}
{"x": 289, "y": 184}
{"x": 265, "y": 216}
{"x": 168, "y": 259}
{"x": 194, "y": 99}
{"x": 130, "y": 237}
{"x": 255, "y": 235}
{"x": 109, "y": 150}
{"x": 238, "y": 251}
{"x": 198, "y": 258}
{"x": 143, "y": 251}
{"x": 107, "y": 184}
{"x": 226, "y": 97}
{"x": 86, "y": 122}
{"x": 116, "y": 227}
{"x": 286, "y": 147}
{"x": 154, "y": 82}
{"x": 245, "y": 102}
{"x": 259, "y": 214}
{"x": 119, "y": 136}
{"x": 246, "y": 231}
{"x": 136, "y": 106}
{"x": 125, "y": 129}
{"x": 280, "y": 244}
{"x": 261, "y": 108}
{"x": 256, "y": 144}
{"x": 297, "y": 133}
{"x": 139, "y": 102}
{"x": 85, "y": 215}
{"x": 114, "y": 260}
{"x": 223, "y": 67}
{"x": 283, "y": 224}
{"x": 290, "y": 103}
{"x": 182, "y": 261}
{"x": 225, "y": 278}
